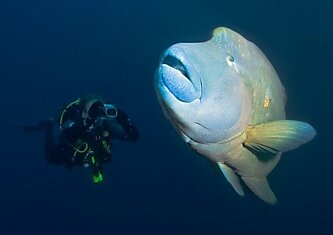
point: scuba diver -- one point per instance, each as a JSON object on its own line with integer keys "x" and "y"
{"x": 86, "y": 127}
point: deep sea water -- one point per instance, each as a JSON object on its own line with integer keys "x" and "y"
{"x": 53, "y": 51}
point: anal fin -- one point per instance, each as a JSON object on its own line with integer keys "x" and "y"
{"x": 261, "y": 188}
{"x": 232, "y": 178}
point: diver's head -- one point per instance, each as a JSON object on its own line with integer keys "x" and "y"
{"x": 94, "y": 106}
{"x": 95, "y": 109}
{"x": 91, "y": 106}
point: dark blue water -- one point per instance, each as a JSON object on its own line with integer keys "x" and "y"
{"x": 51, "y": 52}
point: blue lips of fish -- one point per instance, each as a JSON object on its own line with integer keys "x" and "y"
{"x": 226, "y": 101}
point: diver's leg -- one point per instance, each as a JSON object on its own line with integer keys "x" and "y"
{"x": 96, "y": 169}
{"x": 52, "y": 150}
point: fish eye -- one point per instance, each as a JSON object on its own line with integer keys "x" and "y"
{"x": 230, "y": 58}
{"x": 231, "y": 62}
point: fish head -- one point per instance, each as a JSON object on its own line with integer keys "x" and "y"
{"x": 202, "y": 89}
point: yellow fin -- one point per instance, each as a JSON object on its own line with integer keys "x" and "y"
{"x": 278, "y": 136}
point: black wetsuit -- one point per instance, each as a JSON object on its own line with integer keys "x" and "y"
{"x": 86, "y": 141}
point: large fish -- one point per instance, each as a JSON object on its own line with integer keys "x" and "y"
{"x": 227, "y": 102}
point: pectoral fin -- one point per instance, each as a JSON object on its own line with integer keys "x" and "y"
{"x": 232, "y": 178}
{"x": 278, "y": 136}
{"x": 261, "y": 188}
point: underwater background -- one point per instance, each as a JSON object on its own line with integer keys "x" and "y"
{"x": 51, "y": 52}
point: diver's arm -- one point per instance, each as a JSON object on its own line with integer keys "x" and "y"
{"x": 123, "y": 128}
{"x": 70, "y": 130}
{"x": 53, "y": 149}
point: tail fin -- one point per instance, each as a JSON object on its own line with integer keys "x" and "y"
{"x": 42, "y": 125}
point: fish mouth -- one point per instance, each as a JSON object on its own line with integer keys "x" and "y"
{"x": 175, "y": 63}
{"x": 176, "y": 77}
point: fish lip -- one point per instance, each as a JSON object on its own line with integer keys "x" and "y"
{"x": 174, "y": 62}
{"x": 180, "y": 56}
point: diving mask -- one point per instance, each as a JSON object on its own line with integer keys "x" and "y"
{"x": 110, "y": 111}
